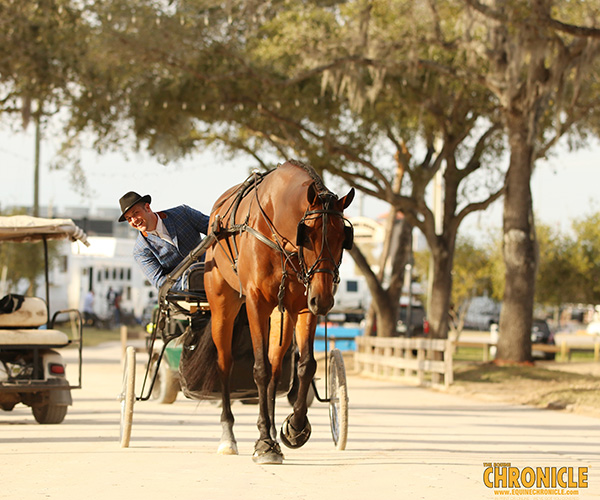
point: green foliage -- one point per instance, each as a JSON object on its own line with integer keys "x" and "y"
{"x": 22, "y": 261}
{"x": 25, "y": 261}
{"x": 586, "y": 257}
{"x": 560, "y": 270}
{"x": 41, "y": 45}
{"x": 471, "y": 271}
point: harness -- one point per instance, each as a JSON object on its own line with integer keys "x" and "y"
{"x": 303, "y": 274}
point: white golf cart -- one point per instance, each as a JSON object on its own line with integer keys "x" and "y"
{"x": 32, "y": 371}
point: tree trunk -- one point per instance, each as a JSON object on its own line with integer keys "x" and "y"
{"x": 441, "y": 292}
{"x": 385, "y": 302}
{"x": 520, "y": 249}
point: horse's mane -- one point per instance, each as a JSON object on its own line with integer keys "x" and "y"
{"x": 312, "y": 174}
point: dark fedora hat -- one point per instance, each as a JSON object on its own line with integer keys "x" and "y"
{"x": 129, "y": 199}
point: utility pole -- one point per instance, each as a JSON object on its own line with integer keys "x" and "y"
{"x": 36, "y": 167}
{"x": 438, "y": 215}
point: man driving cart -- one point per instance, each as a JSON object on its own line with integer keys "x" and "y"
{"x": 165, "y": 238}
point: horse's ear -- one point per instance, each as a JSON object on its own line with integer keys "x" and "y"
{"x": 311, "y": 194}
{"x": 348, "y": 198}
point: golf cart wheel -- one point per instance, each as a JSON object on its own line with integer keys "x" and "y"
{"x": 166, "y": 386}
{"x": 49, "y": 414}
{"x": 127, "y": 397}
{"x": 338, "y": 399}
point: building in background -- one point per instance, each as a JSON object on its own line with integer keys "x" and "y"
{"x": 107, "y": 264}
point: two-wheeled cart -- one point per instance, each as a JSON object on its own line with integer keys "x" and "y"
{"x": 183, "y": 314}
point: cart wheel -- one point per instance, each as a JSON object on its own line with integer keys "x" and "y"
{"x": 49, "y": 414}
{"x": 52, "y": 413}
{"x": 338, "y": 399}
{"x": 127, "y": 396}
{"x": 166, "y": 386}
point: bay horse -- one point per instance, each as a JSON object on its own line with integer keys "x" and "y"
{"x": 281, "y": 236}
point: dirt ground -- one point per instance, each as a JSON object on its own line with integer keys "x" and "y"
{"x": 572, "y": 387}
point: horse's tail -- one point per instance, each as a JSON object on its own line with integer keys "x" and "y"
{"x": 198, "y": 369}
{"x": 198, "y": 372}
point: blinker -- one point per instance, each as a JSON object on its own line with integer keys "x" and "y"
{"x": 348, "y": 237}
{"x": 301, "y": 234}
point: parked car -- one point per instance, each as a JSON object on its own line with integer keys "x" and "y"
{"x": 415, "y": 326}
{"x": 482, "y": 313}
{"x": 540, "y": 334}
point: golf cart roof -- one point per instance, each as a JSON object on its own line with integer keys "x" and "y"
{"x": 26, "y": 228}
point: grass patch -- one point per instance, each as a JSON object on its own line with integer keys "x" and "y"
{"x": 530, "y": 385}
{"x": 476, "y": 354}
{"x": 581, "y": 356}
{"x": 468, "y": 354}
{"x": 96, "y": 336}
{"x": 486, "y": 373}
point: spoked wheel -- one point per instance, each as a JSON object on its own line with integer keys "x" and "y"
{"x": 127, "y": 397}
{"x": 338, "y": 399}
{"x": 166, "y": 387}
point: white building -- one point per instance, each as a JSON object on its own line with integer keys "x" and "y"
{"x": 106, "y": 263}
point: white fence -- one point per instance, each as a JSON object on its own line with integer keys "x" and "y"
{"x": 425, "y": 361}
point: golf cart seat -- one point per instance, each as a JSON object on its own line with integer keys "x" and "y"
{"x": 27, "y": 326}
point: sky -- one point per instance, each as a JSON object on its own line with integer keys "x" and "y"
{"x": 564, "y": 187}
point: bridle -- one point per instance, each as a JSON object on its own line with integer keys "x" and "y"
{"x": 306, "y": 273}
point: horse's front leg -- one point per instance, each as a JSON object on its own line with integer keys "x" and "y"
{"x": 280, "y": 339}
{"x": 296, "y": 429}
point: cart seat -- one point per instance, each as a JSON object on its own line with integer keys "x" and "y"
{"x": 193, "y": 279}
{"x": 32, "y": 314}
{"x": 193, "y": 296}
{"x": 22, "y": 327}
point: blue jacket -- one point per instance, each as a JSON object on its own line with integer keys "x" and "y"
{"x": 158, "y": 258}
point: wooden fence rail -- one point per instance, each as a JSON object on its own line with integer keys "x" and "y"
{"x": 563, "y": 348}
{"x": 426, "y": 361}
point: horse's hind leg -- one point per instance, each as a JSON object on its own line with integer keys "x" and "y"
{"x": 227, "y": 443}
{"x": 223, "y": 315}
{"x": 296, "y": 428}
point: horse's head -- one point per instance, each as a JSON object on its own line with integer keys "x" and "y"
{"x": 322, "y": 235}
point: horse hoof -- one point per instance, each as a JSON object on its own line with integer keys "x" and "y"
{"x": 227, "y": 448}
{"x": 291, "y": 437}
{"x": 267, "y": 452}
